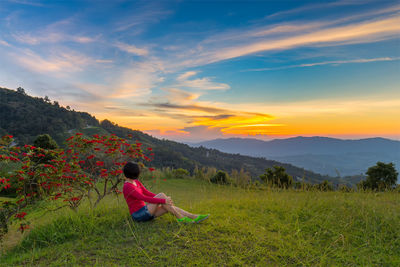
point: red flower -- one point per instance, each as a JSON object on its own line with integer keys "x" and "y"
{"x": 79, "y": 134}
{"x": 70, "y": 138}
{"x": 99, "y": 163}
{"x": 90, "y": 157}
{"x": 149, "y": 149}
{"x": 20, "y": 215}
{"x": 81, "y": 162}
{"x": 151, "y": 169}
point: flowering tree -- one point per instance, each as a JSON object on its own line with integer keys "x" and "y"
{"x": 42, "y": 175}
{"x": 101, "y": 159}
{"x": 64, "y": 177}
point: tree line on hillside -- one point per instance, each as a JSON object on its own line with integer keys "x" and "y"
{"x": 26, "y": 117}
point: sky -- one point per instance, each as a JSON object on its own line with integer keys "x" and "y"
{"x": 199, "y": 70}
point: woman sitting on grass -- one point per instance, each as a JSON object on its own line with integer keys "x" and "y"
{"x": 136, "y": 194}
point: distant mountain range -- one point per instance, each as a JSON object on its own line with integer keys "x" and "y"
{"x": 330, "y": 156}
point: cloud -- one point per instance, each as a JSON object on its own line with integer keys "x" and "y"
{"x": 186, "y": 107}
{"x": 332, "y": 62}
{"x": 137, "y": 81}
{"x": 314, "y": 7}
{"x": 60, "y": 31}
{"x": 180, "y": 96}
{"x": 58, "y": 62}
{"x": 104, "y": 61}
{"x": 51, "y": 37}
{"x": 2, "y": 42}
{"x": 132, "y": 49}
{"x": 199, "y": 133}
{"x": 227, "y": 121}
{"x": 25, "y": 2}
{"x": 250, "y": 41}
{"x": 201, "y": 83}
{"x": 149, "y": 13}
{"x": 186, "y": 75}
{"x": 356, "y": 33}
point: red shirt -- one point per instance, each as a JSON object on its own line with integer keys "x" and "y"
{"x": 136, "y": 195}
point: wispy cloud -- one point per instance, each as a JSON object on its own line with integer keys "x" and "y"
{"x": 332, "y": 62}
{"x": 25, "y": 2}
{"x": 314, "y": 7}
{"x": 149, "y": 13}
{"x": 186, "y": 75}
{"x": 104, "y": 61}
{"x": 365, "y": 32}
{"x": 2, "y": 42}
{"x": 181, "y": 96}
{"x": 136, "y": 81}
{"x": 51, "y": 37}
{"x": 187, "y": 107}
{"x": 200, "y": 83}
{"x": 55, "y": 62}
{"x": 60, "y": 31}
{"x": 132, "y": 49}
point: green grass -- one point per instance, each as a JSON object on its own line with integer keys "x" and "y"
{"x": 245, "y": 228}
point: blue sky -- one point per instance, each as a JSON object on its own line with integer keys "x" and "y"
{"x": 195, "y": 70}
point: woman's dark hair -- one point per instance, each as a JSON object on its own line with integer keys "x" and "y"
{"x": 131, "y": 170}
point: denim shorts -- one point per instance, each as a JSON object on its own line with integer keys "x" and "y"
{"x": 142, "y": 215}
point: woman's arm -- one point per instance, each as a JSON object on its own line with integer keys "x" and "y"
{"x": 145, "y": 191}
{"x": 135, "y": 194}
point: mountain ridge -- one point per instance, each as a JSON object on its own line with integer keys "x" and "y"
{"x": 324, "y": 155}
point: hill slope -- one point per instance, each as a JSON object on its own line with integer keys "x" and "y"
{"x": 25, "y": 117}
{"x": 256, "y": 228}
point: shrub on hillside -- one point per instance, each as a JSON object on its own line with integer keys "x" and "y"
{"x": 324, "y": 186}
{"x": 45, "y": 141}
{"x": 380, "y": 177}
{"x": 220, "y": 177}
{"x": 345, "y": 188}
{"x": 277, "y": 177}
{"x": 181, "y": 173}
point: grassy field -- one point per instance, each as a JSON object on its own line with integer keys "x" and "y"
{"x": 245, "y": 228}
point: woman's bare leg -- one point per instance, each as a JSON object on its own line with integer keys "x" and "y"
{"x": 160, "y": 209}
{"x": 185, "y": 213}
